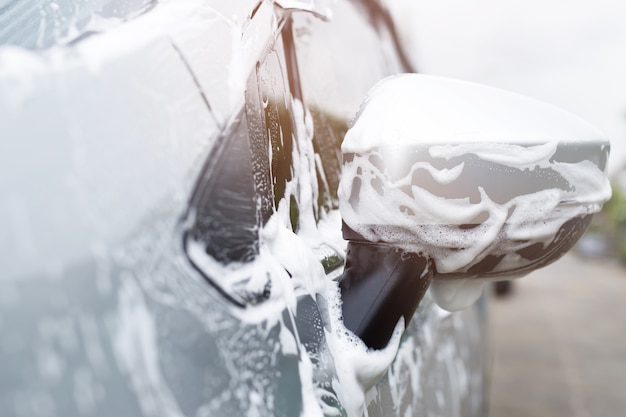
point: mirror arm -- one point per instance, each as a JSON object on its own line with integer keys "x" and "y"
{"x": 380, "y": 285}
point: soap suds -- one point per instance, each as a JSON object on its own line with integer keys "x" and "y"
{"x": 135, "y": 346}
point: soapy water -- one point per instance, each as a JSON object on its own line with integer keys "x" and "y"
{"x": 458, "y": 232}
{"x": 478, "y": 240}
{"x": 355, "y": 368}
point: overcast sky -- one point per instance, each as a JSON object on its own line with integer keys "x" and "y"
{"x": 570, "y": 53}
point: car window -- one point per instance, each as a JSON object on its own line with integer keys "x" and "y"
{"x": 221, "y": 226}
{"x": 242, "y": 183}
{"x": 351, "y": 53}
{"x": 278, "y": 132}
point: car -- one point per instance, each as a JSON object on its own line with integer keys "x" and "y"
{"x": 172, "y": 237}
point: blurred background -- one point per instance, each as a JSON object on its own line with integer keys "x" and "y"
{"x": 559, "y": 335}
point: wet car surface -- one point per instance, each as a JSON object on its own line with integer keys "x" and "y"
{"x": 171, "y": 237}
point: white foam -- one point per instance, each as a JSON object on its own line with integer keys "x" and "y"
{"x": 514, "y": 156}
{"x": 358, "y": 368}
{"x": 455, "y": 295}
{"x": 448, "y": 111}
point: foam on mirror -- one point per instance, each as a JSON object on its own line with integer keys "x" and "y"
{"x": 489, "y": 184}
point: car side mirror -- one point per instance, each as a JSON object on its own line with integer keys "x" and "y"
{"x": 452, "y": 184}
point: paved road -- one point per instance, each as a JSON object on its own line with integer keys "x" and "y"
{"x": 559, "y": 343}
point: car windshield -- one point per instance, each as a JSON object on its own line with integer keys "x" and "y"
{"x": 38, "y": 24}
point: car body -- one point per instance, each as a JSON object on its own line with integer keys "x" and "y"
{"x": 171, "y": 238}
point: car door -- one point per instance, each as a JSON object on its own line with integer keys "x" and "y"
{"x": 189, "y": 263}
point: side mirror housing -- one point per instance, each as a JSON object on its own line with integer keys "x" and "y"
{"x": 480, "y": 183}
